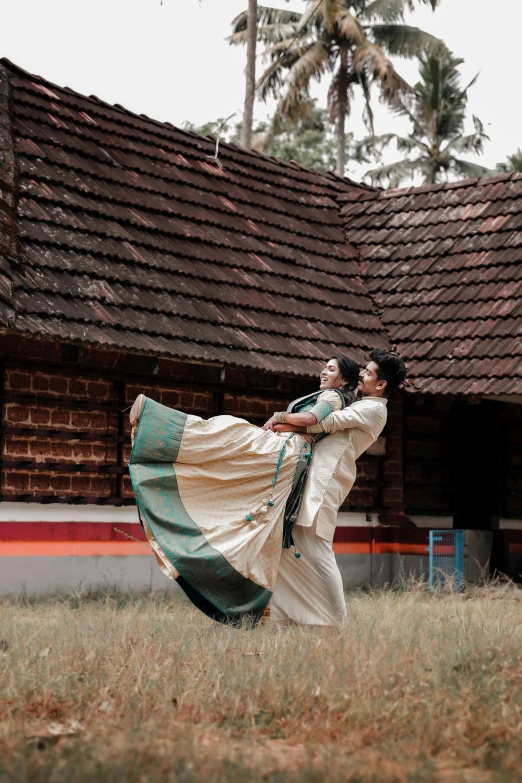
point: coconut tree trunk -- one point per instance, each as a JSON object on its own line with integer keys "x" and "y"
{"x": 250, "y": 82}
{"x": 341, "y": 113}
{"x": 431, "y": 178}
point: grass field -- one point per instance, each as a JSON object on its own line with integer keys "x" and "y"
{"x": 126, "y": 688}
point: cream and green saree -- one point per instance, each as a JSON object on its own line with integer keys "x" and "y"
{"x": 212, "y": 497}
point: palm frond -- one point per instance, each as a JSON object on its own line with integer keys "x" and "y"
{"x": 465, "y": 168}
{"x": 393, "y": 174}
{"x": 392, "y": 10}
{"x": 465, "y": 144}
{"x": 267, "y": 34}
{"x": 348, "y": 27}
{"x": 403, "y": 40}
{"x": 370, "y": 57}
{"x": 513, "y": 162}
{"x": 472, "y": 82}
{"x": 368, "y": 111}
{"x": 312, "y": 63}
{"x": 373, "y": 146}
{"x": 293, "y": 106}
{"x": 409, "y": 143}
{"x": 410, "y": 105}
{"x": 288, "y": 46}
{"x": 473, "y": 143}
{"x": 322, "y": 15}
{"x": 386, "y": 10}
{"x": 284, "y": 55}
{"x": 265, "y": 17}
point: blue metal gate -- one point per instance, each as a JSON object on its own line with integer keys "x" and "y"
{"x": 446, "y": 552}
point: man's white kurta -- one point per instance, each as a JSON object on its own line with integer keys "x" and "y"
{"x": 333, "y": 470}
{"x": 309, "y": 589}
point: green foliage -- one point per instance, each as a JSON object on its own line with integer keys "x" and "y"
{"x": 310, "y": 141}
{"x": 345, "y": 39}
{"x": 434, "y": 147}
{"x": 513, "y": 162}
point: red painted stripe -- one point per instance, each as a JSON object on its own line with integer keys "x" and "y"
{"x": 344, "y": 548}
{"x": 382, "y": 534}
{"x": 98, "y": 548}
{"x": 513, "y": 536}
{"x": 361, "y": 548}
{"x": 69, "y": 531}
{"x": 348, "y": 540}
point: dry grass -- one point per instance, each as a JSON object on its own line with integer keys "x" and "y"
{"x": 413, "y": 688}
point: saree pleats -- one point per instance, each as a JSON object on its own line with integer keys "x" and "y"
{"x": 206, "y": 494}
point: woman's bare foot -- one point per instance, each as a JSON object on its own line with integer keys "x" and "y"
{"x": 135, "y": 414}
{"x": 265, "y": 617}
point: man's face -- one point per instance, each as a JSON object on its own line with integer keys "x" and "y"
{"x": 369, "y": 385}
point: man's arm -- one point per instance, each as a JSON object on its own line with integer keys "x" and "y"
{"x": 367, "y": 415}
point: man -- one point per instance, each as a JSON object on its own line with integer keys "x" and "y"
{"x": 309, "y": 587}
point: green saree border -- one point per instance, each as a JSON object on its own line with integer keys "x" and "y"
{"x": 155, "y": 484}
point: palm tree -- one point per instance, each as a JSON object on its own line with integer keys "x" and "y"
{"x": 250, "y": 80}
{"x": 347, "y": 38}
{"x": 436, "y": 142}
{"x": 513, "y": 163}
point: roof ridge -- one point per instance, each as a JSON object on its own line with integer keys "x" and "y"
{"x": 471, "y": 182}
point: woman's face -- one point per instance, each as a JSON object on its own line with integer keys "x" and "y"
{"x": 330, "y": 377}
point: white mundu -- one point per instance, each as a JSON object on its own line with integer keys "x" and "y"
{"x": 309, "y": 589}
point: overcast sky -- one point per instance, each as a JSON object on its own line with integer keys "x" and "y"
{"x": 171, "y": 61}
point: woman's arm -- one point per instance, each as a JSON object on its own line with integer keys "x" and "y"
{"x": 288, "y": 428}
{"x": 292, "y": 422}
{"x": 306, "y": 419}
{"x": 327, "y": 402}
{"x": 293, "y": 428}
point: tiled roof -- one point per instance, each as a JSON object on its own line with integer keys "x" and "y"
{"x": 444, "y": 265}
{"x": 122, "y": 231}
{"x": 131, "y": 236}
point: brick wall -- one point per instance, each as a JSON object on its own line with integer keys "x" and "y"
{"x": 54, "y": 421}
{"x": 62, "y": 418}
{"x": 64, "y": 437}
{"x": 380, "y": 482}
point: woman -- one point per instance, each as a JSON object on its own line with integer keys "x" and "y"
{"x": 212, "y": 494}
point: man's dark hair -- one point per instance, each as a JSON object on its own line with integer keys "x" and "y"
{"x": 390, "y": 368}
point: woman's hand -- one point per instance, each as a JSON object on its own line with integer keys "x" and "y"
{"x": 271, "y": 424}
{"x": 302, "y": 420}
